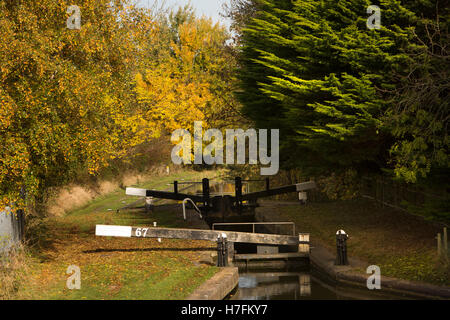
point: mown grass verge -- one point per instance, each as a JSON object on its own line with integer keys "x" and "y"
{"x": 114, "y": 268}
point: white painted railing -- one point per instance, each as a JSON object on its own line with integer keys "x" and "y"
{"x": 196, "y": 208}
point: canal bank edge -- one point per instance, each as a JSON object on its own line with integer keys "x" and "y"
{"x": 218, "y": 287}
{"x": 324, "y": 261}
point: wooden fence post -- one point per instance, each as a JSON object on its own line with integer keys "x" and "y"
{"x": 175, "y": 187}
{"x": 442, "y": 244}
{"x": 445, "y": 243}
{"x": 439, "y": 244}
{"x": 303, "y": 247}
{"x": 238, "y": 193}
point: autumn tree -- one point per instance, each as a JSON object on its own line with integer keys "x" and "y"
{"x": 67, "y": 104}
{"x": 193, "y": 77}
{"x": 74, "y": 100}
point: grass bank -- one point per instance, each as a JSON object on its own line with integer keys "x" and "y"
{"x": 403, "y": 246}
{"x": 114, "y": 268}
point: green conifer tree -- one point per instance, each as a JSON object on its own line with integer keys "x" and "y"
{"x": 316, "y": 71}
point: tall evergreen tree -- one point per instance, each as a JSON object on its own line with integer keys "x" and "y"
{"x": 419, "y": 117}
{"x": 314, "y": 69}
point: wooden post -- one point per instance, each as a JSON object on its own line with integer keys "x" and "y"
{"x": 205, "y": 186}
{"x": 220, "y": 251}
{"x": 148, "y": 204}
{"x": 395, "y": 194}
{"x": 303, "y": 247}
{"x": 230, "y": 253}
{"x": 445, "y": 243}
{"x": 154, "y": 225}
{"x": 238, "y": 191}
{"x": 439, "y": 242}
{"x": 225, "y": 253}
{"x": 305, "y": 285}
{"x": 175, "y": 187}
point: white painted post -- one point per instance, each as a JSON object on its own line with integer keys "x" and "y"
{"x": 445, "y": 242}
{"x": 136, "y": 192}
{"x": 148, "y": 204}
{"x": 303, "y": 197}
{"x": 303, "y": 247}
{"x": 439, "y": 242}
{"x": 154, "y": 224}
{"x": 113, "y": 231}
{"x": 305, "y": 285}
{"x": 305, "y": 186}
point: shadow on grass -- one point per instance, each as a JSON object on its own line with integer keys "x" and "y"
{"x": 149, "y": 250}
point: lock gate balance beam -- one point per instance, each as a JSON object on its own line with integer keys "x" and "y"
{"x": 196, "y": 234}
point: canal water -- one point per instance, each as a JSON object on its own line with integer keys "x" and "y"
{"x": 299, "y": 285}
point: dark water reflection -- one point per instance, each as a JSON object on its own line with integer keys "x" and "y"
{"x": 298, "y": 286}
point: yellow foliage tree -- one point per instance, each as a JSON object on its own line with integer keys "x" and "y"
{"x": 67, "y": 103}
{"x": 74, "y": 100}
{"x": 192, "y": 78}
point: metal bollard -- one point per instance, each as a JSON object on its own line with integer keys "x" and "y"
{"x": 225, "y": 249}
{"x": 341, "y": 245}
{"x": 222, "y": 250}
{"x": 219, "y": 251}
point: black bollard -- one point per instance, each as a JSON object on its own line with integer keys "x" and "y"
{"x": 222, "y": 251}
{"x": 205, "y": 191}
{"x": 219, "y": 251}
{"x": 238, "y": 193}
{"x": 341, "y": 245}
